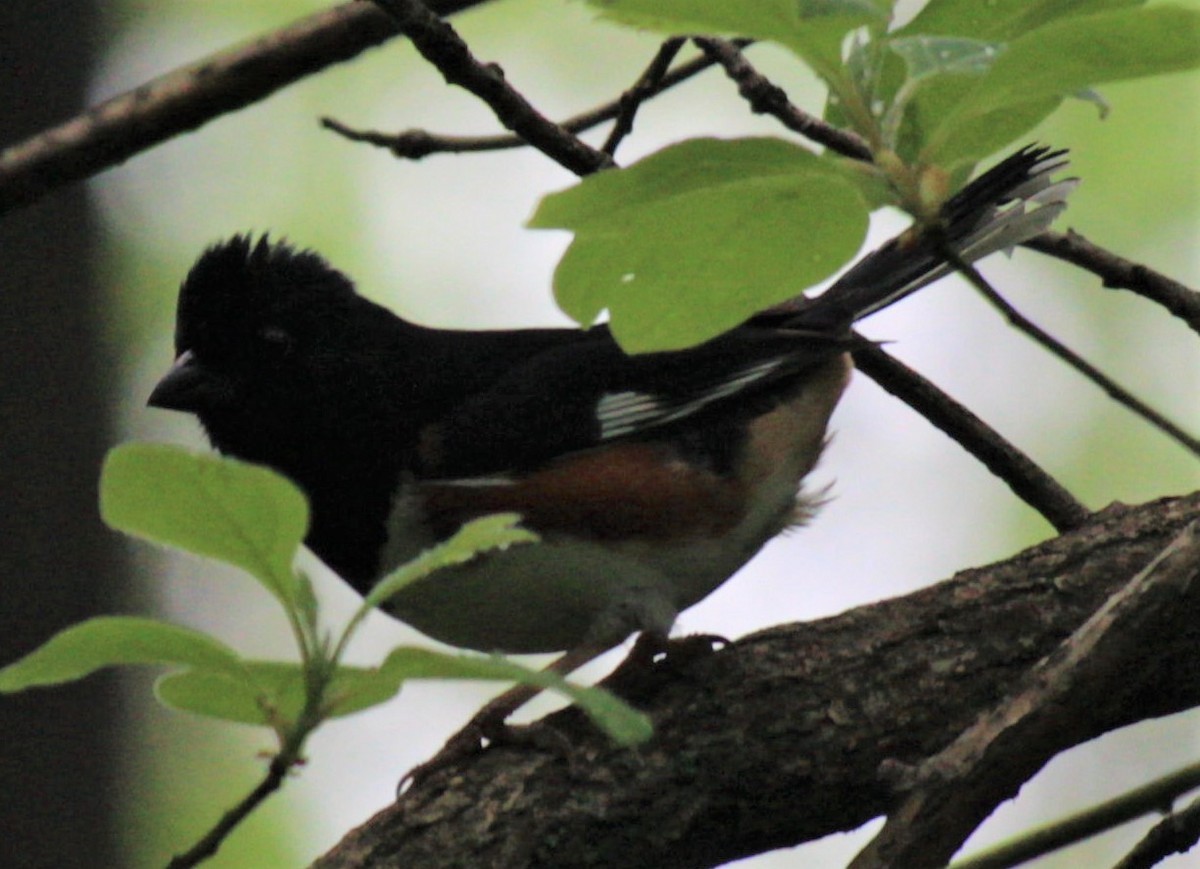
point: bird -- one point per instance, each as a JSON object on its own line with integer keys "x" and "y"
{"x": 650, "y": 479}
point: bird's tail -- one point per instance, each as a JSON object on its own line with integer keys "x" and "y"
{"x": 1013, "y": 201}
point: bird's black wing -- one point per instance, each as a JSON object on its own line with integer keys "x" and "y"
{"x": 589, "y": 393}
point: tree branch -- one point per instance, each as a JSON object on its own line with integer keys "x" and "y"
{"x": 955, "y": 790}
{"x": 1120, "y": 273}
{"x": 1148, "y": 799}
{"x": 644, "y": 88}
{"x": 189, "y": 97}
{"x": 1177, "y": 833}
{"x": 1040, "y": 336}
{"x": 767, "y": 98}
{"x": 415, "y": 144}
{"x": 211, "y": 841}
{"x": 780, "y": 738}
{"x": 442, "y": 47}
{"x": 1024, "y": 477}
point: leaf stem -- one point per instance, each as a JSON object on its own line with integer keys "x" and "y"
{"x": 212, "y": 840}
{"x": 318, "y": 671}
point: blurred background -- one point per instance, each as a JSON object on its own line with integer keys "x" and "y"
{"x": 88, "y": 280}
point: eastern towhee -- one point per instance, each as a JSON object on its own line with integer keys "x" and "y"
{"x": 651, "y": 479}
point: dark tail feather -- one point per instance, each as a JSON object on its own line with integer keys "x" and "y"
{"x": 1011, "y": 202}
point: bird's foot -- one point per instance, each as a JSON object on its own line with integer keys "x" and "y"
{"x": 487, "y": 727}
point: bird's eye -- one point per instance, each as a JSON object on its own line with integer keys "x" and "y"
{"x": 278, "y": 339}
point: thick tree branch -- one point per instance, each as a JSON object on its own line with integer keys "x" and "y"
{"x": 781, "y": 737}
{"x": 187, "y": 98}
{"x": 954, "y": 791}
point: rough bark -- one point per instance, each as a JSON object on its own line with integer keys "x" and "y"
{"x": 780, "y": 738}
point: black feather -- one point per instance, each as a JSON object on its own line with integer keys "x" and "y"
{"x": 286, "y": 365}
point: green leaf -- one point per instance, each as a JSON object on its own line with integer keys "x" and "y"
{"x": 621, "y": 722}
{"x": 876, "y": 74}
{"x": 1060, "y": 59}
{"x": 813, "y": 29}
{"x": 498, "y": 531}
{"x": 243, "y": 514}
{"x": 216, "y": 695}
{"x": 931, "y": 60}
{"x": 108, "y": 641}
{"x": 354, "y": 689}
{"x": 940, "y": 95}
{"x": 992, "y": 130}
{"x": 925, "y": 56}
{"x": 999, "y": 21}
{"x": 692, "y": 240}
{"x": 273, "y": 695}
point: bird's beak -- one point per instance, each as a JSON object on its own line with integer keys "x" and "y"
{"x": 186, "y": 387}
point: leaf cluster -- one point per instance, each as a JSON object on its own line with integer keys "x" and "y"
{"x": 254, "y": 519}
{"x": 692, "y": 240}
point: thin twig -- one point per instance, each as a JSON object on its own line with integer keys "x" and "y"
{"x": 1147, "y": 799}
{"x": 317, "y": 675}
{"x": 1026, "y": 479}
{"x": 189, "y": 97}
{"x": 1120, "y": 273}
{"x": 767, "y": 98}
{"x": 277, "y": 772}
{"x": 416, "y": 144}
{"x": 1114, "y": 390}
{"x": 439, "y": 44}
{"x": 1177, "y": 833}
{"x": 630, "y": 101}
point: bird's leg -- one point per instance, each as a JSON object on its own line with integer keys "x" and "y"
{"x": 487, "y": 726}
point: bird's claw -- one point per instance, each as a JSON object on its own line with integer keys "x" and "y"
{"x": 467, "y": 742}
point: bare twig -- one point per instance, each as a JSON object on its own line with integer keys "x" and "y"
{"x": 1177, "y": 833}
{"x": 189, "y": 97}
{"x": 766, "y": 98}
{"x": 277, "y": 772}
{"x": 630, "y": 101}
{"x": 1114, "y": 390}
{"x": 1028, "y": 481}
{"x": 1147, "y": 799}
{"x": 956, "y": 789}
{"x": 441, "y": 46}
{"x": 1120, "y": 273}
{"x": 418, "y": 144}
{"x": 415, "y": 144}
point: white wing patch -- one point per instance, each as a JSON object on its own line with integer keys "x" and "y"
{"x": 621, "y": 413}
{"x": 474, "y": 482}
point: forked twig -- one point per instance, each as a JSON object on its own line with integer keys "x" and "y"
{"x": 1113, "y": 389}
{"x": 416, "y": 144}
